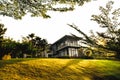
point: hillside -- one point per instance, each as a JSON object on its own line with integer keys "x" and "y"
{"x": 59, "y": 69}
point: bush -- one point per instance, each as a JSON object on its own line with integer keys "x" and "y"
{"x": 6, "y": 57}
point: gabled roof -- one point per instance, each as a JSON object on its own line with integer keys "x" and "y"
{"x": 66, "y": 37}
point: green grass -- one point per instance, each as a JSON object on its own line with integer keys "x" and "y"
{"x": 59, "y": 69}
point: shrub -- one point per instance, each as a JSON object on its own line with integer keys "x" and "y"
{"x": 6, "y": 57}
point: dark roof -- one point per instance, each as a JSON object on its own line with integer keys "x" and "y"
{"x": 66, "y": 37}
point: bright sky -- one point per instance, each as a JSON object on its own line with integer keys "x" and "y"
{"x": 54, "y": 28}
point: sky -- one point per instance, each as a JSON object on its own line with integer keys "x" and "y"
{"x": 56, "y": 27}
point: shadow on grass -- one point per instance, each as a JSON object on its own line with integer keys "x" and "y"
{"x": 71, "y": 62}
{"x": 13, "y": 61}
{"x": 96, "y": 74}
{"x": 91, "y": 72}
{"x": 107, "y": 77}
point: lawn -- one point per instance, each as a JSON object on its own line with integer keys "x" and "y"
{"x": 59, "y": 69}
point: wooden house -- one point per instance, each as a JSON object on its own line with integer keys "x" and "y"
{"x": 67, "y": 46}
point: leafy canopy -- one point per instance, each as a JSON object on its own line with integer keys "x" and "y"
{"x": 19, "y": 8}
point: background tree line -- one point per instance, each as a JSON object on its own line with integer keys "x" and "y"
{"x": 31, "y": 45}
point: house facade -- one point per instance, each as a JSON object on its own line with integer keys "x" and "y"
{"x": 66, "y": 46}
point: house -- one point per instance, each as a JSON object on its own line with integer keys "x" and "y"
{"x": 67, "y": 46}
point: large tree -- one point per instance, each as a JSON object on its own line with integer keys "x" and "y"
{"x": 19, "y": 8}
{"x": 108, "y": 40}
{"x": 2, "y": 32}
{"x": 109, "y": 19}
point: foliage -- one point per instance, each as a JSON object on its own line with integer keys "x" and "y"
{"x": 32, "y": 45}
{"x": 19, "y": 8}
{"x": 85, "y": 39}
{"x": 2, "y": 32}
{"x": 63, "y": 69}
{"x": 108, "y": 19}
{"x": 108, "y": 41}
{"x": 36, "y": 45}
{"x": 8, "y": 45}
{"x": 6, "y": 57}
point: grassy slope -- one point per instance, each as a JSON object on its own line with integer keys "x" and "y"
{"x": 59, "y": 69}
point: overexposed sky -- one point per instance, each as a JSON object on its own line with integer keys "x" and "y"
{"x": 54, "y": 28}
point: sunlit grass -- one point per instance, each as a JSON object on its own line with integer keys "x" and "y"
{"x": 59, "y": 69}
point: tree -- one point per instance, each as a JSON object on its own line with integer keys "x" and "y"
{"x": 37, "y": 45}
{"x": 44, "y": 46}
{"x": 19, "y": 8}
{"x": 108, "y": 19}
{"x": 2, "y": 32}
{"x": 11, "y": 48}
{"x": 8, "y": 45}
{"x": 108, "y": 41}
